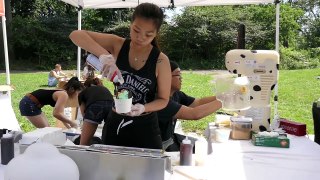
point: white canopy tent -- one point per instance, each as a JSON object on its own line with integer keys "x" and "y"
{"x": 100, "y": 4}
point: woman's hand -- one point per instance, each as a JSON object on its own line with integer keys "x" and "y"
{"x": 70, "y": 124}
{"x": 136, "y": 110}
{"x": 66, "y": 125}
{"x": 73, "y": 124}
{"x": 110, "y": 69}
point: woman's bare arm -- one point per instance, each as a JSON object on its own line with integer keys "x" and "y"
{"x": 61, "y": 98}
{"x": 163, "y": 73}
{"x": 97, "y": 43}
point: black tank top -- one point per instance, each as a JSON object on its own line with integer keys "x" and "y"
{"x": 143, "y": 82}
{"x": 44, "y": 96}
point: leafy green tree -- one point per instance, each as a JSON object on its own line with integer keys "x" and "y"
{"x": 310, "y": 7}
{"x": 312, "y": 34}
{"x": 102, "y": 19}
{"x": 202, "y": 35}
{"x": 41, "y": 30}
{"x": 310, "y": 22}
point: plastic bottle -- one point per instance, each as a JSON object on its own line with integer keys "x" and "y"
{"x": 7, "y": 148}
{"x": 186, "y": 152}
{"x": 94, "y": 62}
{"x": 98, "y": 65}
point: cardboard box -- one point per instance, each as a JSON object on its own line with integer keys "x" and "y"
{"x": 71, "y": 113}
{"x": 291, "y": 127}
{"x": 71, "y": 109}
{"x": 267, "y": 141}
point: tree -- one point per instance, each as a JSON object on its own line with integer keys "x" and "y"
{"x": 310, "y": 22}
{"x": 41, "y": 30}
{"x": 102, "y": 19}
{"x": 205, "y": 34}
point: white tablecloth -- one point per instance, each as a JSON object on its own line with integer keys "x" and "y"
{"x": 240, "y": 160}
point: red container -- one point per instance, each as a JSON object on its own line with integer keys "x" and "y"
{"x": 291, "y": 127}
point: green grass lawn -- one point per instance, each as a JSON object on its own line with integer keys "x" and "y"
{"x": 297, "y": 90}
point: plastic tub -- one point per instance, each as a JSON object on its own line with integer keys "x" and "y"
{"x": 241, "y": 127}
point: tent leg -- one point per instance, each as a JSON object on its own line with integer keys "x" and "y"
{"x": 277, "y": 25}
{"x": 79, "y": 49}
{"x": 5, "y": 45}
{"x": 276, "y": 118}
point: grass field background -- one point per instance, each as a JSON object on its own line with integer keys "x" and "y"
{"x": 298, "y": 89}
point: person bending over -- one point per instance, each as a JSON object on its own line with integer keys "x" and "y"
{"x": 95, "y": 105}
{"x": 31, "y": 104}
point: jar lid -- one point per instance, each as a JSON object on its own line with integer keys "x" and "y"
{"x": 241, "y": 119}
{"x": 7, "y": 135}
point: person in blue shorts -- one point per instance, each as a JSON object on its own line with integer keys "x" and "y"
{"x": 31, "y": 104}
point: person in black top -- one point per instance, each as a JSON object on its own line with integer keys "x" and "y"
{"x": 145, "y": 71}
{"x": 95, "y": 105}
{"x": 182, "y": 106}
{"x": 31, "y": 104}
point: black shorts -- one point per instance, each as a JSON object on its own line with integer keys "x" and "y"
{"x": 28, "y": 107}
{"x": 140, "y": 131}
{"x": 98, "y": 111}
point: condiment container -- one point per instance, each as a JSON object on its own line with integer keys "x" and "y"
{"x": 241, "y": 127}
{"x": 7, "y": 148}
{"x": 186, "y": 149}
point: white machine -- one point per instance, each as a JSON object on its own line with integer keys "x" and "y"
{"x": 262, "y": 69}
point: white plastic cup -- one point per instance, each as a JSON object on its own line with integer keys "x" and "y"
{"x": 123, "y": 105}
{"x": 222, "y": 134}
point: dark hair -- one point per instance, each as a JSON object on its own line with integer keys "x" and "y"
{"x": 174, "y": 65}
{"x": 73, "y": 85}
{"x": 149, "y": 11}
{"x": 92, "y": 82}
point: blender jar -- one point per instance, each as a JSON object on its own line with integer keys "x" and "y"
{"x": 233, "y": 92}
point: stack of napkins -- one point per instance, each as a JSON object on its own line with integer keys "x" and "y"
{"x": 271, "y": 139}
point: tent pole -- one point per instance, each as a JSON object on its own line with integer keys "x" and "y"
{"x": 275, "y": 123}
{"x": 79, "y": 49}
{"x": 5, "y": 45}
{"x": 277, "y": 24}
